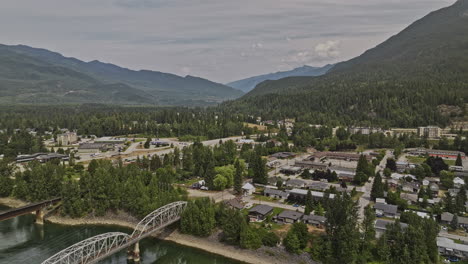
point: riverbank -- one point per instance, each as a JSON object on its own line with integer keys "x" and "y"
{"x": 264, "y": 255}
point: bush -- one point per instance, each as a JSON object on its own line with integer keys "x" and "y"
{"x": 270, "y": 239}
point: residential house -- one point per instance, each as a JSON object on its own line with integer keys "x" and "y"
{"x": 316, "y": 220}
{"x": 295, "y": 183}
{"x": 344, "y": 174}
{"x": 381, "y": 226}
{"x": 260, "y": 212}
{"x": 318, "y": 186}
{"x": 276, "y": 194}
{"x": 234, "y": 203}
{"x": 402, "y": 166}
{"x": 380, "y": 200}
{"x": 248, "y": 189}
{"x": 425, "y": 182}
{"x": 458, "y": 182}
{"x": 288, "y": 216}
{"x": 411, "y": 187}
{"x": 448, "y": 247}
{"x": 300, "y": 194}
{"x": 446, "y": 218}
{"x": 387, "y": 210}
{"x": 409, "y": 197}
{"x": 274, "y": 180}
{"x": 434, "y": 188}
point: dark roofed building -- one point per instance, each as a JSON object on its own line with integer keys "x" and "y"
{"x": 274, "y": 193}
{"x": 316, "y": 220}
{"x": 387, "y": 210}
{"x": 260, "y": 212}
{"x": 295, "y": 183}
{"x": 289, "y": 216}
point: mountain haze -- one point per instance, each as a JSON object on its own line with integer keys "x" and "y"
{"x": 32, "y": 75}
{"x": 405, "y": 81}
{"x": 246, "y": 85}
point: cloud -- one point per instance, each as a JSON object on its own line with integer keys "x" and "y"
{"x": 257, "y": 45}
{"x": 216, "y": 39}
{"x": 328, "y": 49}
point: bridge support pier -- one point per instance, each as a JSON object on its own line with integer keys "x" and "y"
{"x": 136, "y": 253}
{"x": 39, "y": 217}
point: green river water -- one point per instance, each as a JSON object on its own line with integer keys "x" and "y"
{"x": 24, "y": 242}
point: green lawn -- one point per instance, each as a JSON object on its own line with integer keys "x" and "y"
{"x": 415, "y": 159}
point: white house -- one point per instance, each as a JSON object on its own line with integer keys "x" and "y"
{"x": 248, "y": 189}
{"x": 458, "y": 182}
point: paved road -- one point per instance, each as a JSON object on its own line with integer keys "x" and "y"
{"x": 365, "y": 198}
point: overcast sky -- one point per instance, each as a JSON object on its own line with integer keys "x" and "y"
{"x": 222, "y": 40}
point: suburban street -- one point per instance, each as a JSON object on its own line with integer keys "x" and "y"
{"x": 365, "y": 198}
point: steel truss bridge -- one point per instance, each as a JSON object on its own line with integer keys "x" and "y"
{"x": 101, "y": 246}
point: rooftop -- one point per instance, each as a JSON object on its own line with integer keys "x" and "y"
{"x": 262, "y": 209}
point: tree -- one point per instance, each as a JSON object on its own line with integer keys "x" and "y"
{"x": 270, "y": 239}
{"x": 238, "y": 177}
{"x": 391, "y": 164}
{"x": 147, "y": 143}
{"x": 454, "y": 222}
{"x": 341, "y": 228}
{"x": 260, "y": 174}
{"x": 368, "y": 232}
{"x": 377, "y": 190}
{"x": 459, "y": 161}
{"x": 198, "y": 218}
{"x": 220, "y": 182}
{"x": 309, "y": 203}
{"x": 291, "y": 243}
{"x": 437, "y": 164}
{"x": 249, "y": 238}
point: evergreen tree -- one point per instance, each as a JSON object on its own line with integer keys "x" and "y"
{"x": 260, "y": 174}
{"x": 454, "y": 222}
{"x": 341, "y": 228}
{"x": 459, "y": 161}
{"x": 309, "y": 203}
{"x": 377, "y": 190}
{"x": 238, "y": 177}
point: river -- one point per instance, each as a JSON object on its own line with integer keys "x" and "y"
{"x": 24, "y": 242}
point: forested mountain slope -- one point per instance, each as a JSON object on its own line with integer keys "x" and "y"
{"x": 405, "y": 81}
{"x": 248, "y": 84}
{"x": 31, "y": 75}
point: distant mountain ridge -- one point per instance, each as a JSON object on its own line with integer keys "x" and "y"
{"x": 246, "y": 85}
{"x": 402, "y": 82}
{"x": 33, "y": 72}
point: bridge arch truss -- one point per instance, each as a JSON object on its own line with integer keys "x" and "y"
{"x": 98, "y": 247}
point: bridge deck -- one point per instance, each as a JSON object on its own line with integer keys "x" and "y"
{"x": 27, "y": 209}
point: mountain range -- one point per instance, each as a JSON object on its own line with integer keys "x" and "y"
{"x": 418, "y": 76}
{"x": 246, "y": 85}
{"x": 38, "y": 76}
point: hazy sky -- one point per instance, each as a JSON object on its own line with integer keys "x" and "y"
{"x": 222, "y": 40}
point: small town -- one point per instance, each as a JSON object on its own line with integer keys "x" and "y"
{"x": 278, "y": 185}
{"x": 234, "y": 132}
